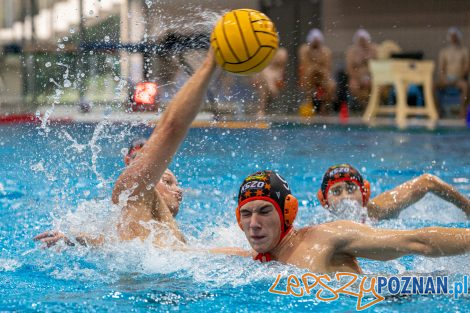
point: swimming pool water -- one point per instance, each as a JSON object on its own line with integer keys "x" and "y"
{"x": 61, "y": 176}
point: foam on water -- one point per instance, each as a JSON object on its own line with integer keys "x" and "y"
{"x": 9, "y": 265}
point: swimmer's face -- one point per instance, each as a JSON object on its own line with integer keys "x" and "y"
{"x": 362, "y": 41}
{"x": 261, "y": 225}
{"x": 170, "y": 191}
{"x": 316, "y": 42}
{"x": 454, "y": 38}
{"x": 345, "y": 190}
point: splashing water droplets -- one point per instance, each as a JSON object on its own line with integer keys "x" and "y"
{"x": 67, "y": 83}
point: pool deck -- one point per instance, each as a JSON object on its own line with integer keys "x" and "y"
{"x": 68, "y": 114}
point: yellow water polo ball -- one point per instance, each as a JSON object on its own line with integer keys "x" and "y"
{"x": 244, "y": 41}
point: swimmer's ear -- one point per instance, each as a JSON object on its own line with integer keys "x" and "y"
{"x": 322, "y": 199}
{"x": 291, "y": 207}
{"x": 365, "y": 192}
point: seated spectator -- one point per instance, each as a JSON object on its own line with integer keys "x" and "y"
{"x": 357, "y": 65}
{"x": 315, "y": 71}
{"x": 270, "y": 81}
{"x": 453, "y": 66}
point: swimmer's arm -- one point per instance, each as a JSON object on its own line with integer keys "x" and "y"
{"x": 231, "y": 251}
{"x": 303, "y": 55}
{"x": 224, "y": 250}
{"x": 51, "y": 238}
{"x": 386, "y": 244}
{"x": 442, "y": 66}
{"x": 466, "y": 64}
{"x": 390, "y": 203}
{"x": 89, "y": 240}
{"x": 329, "y": 63}
{"x": 158, "y": 151}
{"x": 350, "y": 62}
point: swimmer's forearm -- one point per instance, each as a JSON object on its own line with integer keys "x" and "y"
{"x": 440, "y": 241}
{"x": 386, "y": 244}
{"x": 449, "y": 193}
{"x": 390, "y": 203}
{"x": 231, "y": 251}
{"x": 224, "y": 250}
{"x": 87, "y": 240}
{"x": 429, "y": 241}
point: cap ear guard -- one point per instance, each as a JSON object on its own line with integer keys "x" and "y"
{"x": 291, "y": 207}
{"x": 366, "y": 192}
{"x": 321, "y": 198}
{"x": 237, "y": 213}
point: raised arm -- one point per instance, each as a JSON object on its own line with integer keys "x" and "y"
{"x": 390, "y": 203}
{"x": 385, "y": 244}
{"x": 139, "y": 178}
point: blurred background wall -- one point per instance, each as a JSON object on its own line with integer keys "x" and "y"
{"x": 36, "y": 32}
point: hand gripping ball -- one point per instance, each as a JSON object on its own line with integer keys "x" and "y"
{"x": 244, "y": 41}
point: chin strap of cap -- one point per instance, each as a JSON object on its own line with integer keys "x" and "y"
{"x": 263, "y": 257}
{"x": 266, "y": 257}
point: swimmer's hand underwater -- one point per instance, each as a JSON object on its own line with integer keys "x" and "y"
{"x": 51, "y": 238}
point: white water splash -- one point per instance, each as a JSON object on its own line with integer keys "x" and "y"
{"x": 348, "y": 209}
{"x": 432, "y": 208}
{"x": 9, "y": 265}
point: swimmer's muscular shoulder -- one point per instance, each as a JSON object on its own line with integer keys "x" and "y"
{"x": 311, "y": 249}
{"x": 321, "y": 248}
{"x": 332, "y": 233}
